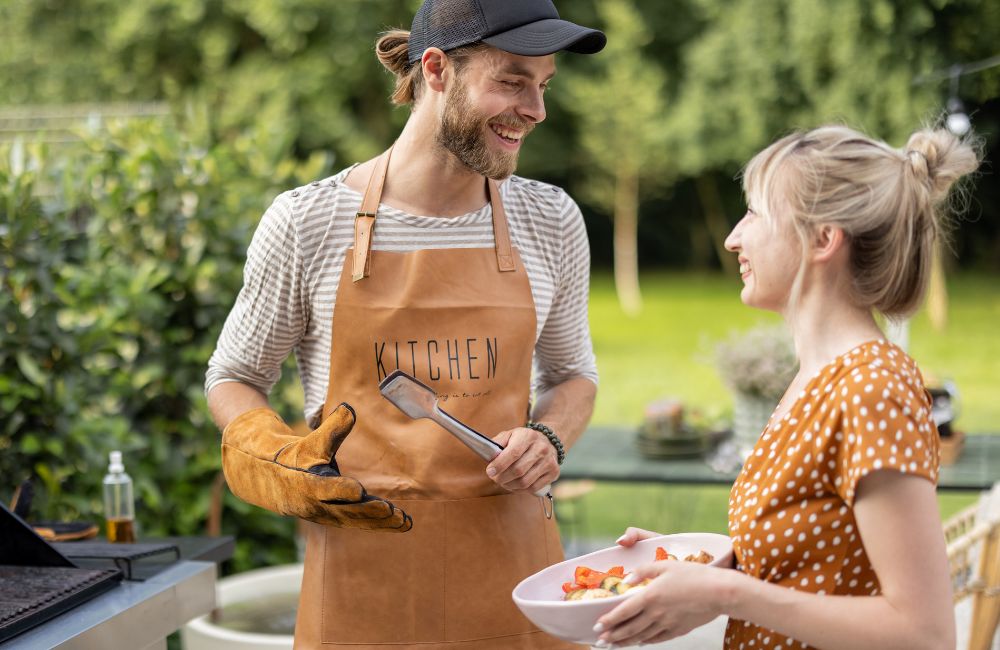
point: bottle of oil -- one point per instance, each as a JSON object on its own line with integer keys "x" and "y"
{"x": 119, "y": 506}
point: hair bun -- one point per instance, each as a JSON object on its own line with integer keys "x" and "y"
{"x": 392, "y": 49}
{"x": 941, "y": 158}
{"x": 919, "y": 163}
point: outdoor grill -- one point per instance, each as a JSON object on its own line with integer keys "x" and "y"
{"x": 37, "y": 582}
{"x": 31, "y": 595}
{"x": 136, "y": 560}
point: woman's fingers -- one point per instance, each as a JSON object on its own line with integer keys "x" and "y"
{"x": 633, "y": 535}
{"x": 634, "y": 631}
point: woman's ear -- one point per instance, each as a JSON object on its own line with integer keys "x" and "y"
{"x": 434, "y": 62}
{"x": 828, "y": 241}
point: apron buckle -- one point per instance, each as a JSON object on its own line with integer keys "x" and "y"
{"x": 548, "y": 505}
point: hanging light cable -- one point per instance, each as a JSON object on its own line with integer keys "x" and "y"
{"x": 957, "y": 121}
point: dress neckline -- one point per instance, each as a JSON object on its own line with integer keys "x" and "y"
{"x": 806, "y": 389}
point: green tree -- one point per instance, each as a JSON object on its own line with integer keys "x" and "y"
{"x": 805, "y": 63}
{"x": 307, "y": 64}
{"x": 619, "y": 100}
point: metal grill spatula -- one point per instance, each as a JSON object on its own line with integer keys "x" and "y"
{"x": 417, "y": 400}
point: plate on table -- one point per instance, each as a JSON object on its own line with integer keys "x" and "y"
{"x": 540, "y": 596}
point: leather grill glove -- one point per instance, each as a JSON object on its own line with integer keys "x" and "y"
{"x": 267, "y": 465}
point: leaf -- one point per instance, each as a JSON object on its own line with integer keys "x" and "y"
{"x": 30, "y": 444}
{"x": 30, "y": 369}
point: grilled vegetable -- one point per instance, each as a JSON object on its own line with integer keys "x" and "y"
{"x": 588, "y": 583}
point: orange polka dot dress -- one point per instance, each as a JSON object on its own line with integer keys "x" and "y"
{"x": 790, "y": 509}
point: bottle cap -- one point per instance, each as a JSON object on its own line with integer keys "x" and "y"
{"x": 116, "y": 466}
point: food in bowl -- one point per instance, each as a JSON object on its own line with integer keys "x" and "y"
{"x": 539, "y": 596}
{"x": 589, "y": 584}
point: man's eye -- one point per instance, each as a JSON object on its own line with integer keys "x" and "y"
{"x": 511, "y": 84}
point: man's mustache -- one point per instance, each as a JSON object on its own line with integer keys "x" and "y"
{"x": 513, "y": 122}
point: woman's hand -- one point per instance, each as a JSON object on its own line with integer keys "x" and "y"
{"x": 633, "y": 535}
{"x": 681, "y": 597}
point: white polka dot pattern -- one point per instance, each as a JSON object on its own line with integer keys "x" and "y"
{"x": 790, "y": 509}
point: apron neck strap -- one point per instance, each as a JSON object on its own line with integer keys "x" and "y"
{"x": 501, "y": 235}
{"x": 364, "y": 222}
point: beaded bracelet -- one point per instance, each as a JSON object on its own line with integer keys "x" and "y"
{"x": 553, "y": 438}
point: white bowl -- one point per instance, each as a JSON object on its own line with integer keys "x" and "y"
{"x": 539, "y": 596}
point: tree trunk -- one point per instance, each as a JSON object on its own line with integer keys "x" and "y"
{"x": 715, "y": 221}
{"x": 937, "y": 292}
{"x": 626, "y": 222}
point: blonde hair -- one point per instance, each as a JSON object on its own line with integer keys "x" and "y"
{"x": 392, "y": 50}
{"x": 890, "y": 203}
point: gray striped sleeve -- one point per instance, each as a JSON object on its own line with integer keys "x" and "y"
{"x": 564, "y": 350}
{"x": 267, "y": 320}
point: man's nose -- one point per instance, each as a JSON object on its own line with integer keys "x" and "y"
{"x": 532, "y": 105}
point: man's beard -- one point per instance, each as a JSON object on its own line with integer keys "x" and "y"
{"x": 463, "y": 133}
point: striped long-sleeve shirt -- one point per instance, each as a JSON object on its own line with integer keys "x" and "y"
{"x": 295, "y": 259}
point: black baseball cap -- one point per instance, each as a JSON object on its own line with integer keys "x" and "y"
{"x": 526, "y": 27}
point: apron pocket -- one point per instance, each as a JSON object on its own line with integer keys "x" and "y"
{"x": 492, "y": 543}
{"x": 386, "y": 587}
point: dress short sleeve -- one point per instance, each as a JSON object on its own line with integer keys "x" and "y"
{"x": 885, "y": 414}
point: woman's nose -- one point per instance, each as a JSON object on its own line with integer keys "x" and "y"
{"x": 733, "y": 242}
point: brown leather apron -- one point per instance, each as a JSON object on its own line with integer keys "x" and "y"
{"x": 463, "y": 322}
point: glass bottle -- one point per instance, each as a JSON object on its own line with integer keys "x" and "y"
{"x": 119, "y": 505}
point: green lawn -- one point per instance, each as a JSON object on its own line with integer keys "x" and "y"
{"x": 667, "y": 352}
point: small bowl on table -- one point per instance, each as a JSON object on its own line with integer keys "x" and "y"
{"x": 540, "y": 596}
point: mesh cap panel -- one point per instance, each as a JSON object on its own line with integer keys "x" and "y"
{"x": 445, "y": 25}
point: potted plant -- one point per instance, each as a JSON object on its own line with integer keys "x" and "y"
{"x": 756, "y": 365}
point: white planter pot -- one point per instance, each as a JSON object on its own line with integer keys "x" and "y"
{"x": 750, "y": 416}
{"x": 202, "y": 634}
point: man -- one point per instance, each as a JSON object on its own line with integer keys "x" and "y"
{"x": 432, "y": 259}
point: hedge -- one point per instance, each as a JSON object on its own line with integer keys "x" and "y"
{"x": 122, "y": 255}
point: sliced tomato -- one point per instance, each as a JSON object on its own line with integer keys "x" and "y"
{"x": 581, "y": 574}
{"x": 617, "y": 571}
{"x": 570, "y": 586}
{"x": 661, "y": 553}
{"x": 594, "y": 579}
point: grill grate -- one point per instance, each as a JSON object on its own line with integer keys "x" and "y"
{"x": 31, "y": 595}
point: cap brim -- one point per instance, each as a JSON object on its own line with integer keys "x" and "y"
{"x": 548, "y": 36}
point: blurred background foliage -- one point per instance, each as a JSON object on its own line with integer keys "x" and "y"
{"x": 122, "y": 250}
{"x": 121, "y": 260}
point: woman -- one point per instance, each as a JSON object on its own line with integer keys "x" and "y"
{"x": 834, "y": 517}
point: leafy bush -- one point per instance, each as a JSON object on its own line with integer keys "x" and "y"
{"x": 759, "y": 362}
{"x": 121, "y": 259}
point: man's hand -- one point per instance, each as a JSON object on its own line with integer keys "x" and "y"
{"x": 527, "y": 463}
{"x": 267, "y": 465}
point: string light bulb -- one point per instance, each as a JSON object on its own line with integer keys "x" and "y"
{"x": 957, "y": 121}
